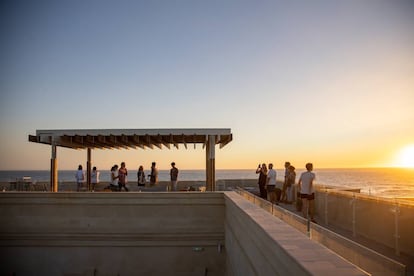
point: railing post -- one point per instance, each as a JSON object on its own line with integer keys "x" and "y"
{"x": 326, "y": 207}
{"x": 397, "y": 230}
{"x": 353, "y": 216}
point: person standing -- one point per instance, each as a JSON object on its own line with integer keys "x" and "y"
{"x": 94, "y": 178}
{"x": 284, "y": 188}
{"x": 154, "y": 174}
{"x": 262, "y": 171}
{"x": 173, "y": 178}
{"x": 271, "y": 184}
{"x": 80, "y": 177}
{"x": 307, "y": 192}
{"x": 291, "y": 178}
{"x": 141, "y": 176}
{"x": 114, "y": 178}
{"x": 122, "y": 177}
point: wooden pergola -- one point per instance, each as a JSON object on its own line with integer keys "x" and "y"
{"x": 132, "y": 138}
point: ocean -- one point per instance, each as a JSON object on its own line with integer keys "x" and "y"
{"x": 383, "y": 182}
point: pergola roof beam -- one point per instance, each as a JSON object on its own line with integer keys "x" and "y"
{"x": 137, "y": 141}
{"x": 224, "y": 141}
{"x": 172, "y": 141}
{"x": 129, "y": 138}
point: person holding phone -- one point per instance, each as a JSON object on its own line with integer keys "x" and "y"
{"x": 262, "y": 171}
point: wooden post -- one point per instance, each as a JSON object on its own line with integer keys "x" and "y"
{"x": 53, "y": 170}
{"x": 210, "y": 164}
{"x": 88, "y": 170}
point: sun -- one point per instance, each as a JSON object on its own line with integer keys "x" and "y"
{"x": 406, "y": 157}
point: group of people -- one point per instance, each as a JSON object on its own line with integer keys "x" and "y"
{"x": 119, "y": 177}
{"x": 276, "y": 191}
{"x": 153, "y": 176}
{"x": 80, "y": 178}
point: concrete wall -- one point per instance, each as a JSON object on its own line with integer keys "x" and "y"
{"x": 111, "y": 233}
{"x": 153, "y": 234}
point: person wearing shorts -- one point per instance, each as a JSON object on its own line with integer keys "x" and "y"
{"x": 307, "y": 193}
{"x": 271, "y": 184}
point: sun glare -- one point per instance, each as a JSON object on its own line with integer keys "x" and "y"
{"x": 406, "y": 157}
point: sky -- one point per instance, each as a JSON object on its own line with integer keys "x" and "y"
{"x": 327, "y": 82}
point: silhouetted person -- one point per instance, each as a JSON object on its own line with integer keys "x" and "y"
{"x": 262, "y": 171}
{"x": 154, "y": 174}
{"x": 173, "y": 178}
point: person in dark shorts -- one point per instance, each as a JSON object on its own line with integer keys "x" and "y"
{"x": 307, "y": 192}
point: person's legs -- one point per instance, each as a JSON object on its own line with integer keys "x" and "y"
{"x": 305, "y": 206}
{"x": 289, "y": 194}
{"x": 271, "y": 196}
{"x": 312, "y": 206}
{"x": 262, "y": 191}
{"x": 283, "y": 193}
{"x": 278, "y": 193}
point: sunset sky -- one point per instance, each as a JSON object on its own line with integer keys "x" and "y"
{"x": 328, "y": 82}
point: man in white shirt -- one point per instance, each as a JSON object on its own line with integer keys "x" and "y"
{"x": 271, "y": 184}
{"x": 307, "y": 192}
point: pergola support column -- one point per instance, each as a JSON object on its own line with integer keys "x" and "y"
{"x": 88, "y": 169}
{"x": 211, "y": 164}
{"x": 53, "y": 170}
